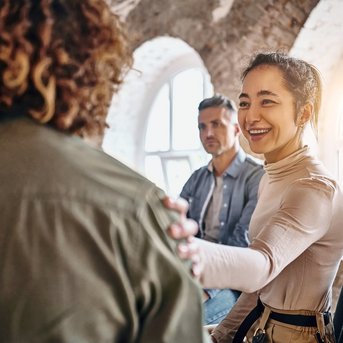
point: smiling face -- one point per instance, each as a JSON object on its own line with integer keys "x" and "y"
{"x": 217, "y": 133}
{"x": 267, "y": 114}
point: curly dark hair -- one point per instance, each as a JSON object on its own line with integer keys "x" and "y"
{"x": 61, "y": 61}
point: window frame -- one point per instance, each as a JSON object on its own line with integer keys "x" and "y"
{"x": 190, "y": 155}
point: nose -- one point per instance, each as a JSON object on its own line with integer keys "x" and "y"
{"x": 208, "y": 132}
{"x": 252, "y": 114}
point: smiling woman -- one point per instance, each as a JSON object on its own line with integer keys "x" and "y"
{"x": 286, "y": 269}
{"x": 272, "y": 114}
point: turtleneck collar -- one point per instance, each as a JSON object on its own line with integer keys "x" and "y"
{"x": 290, "y": 164}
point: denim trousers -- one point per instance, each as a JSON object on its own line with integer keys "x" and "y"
{"x": 219, "y": 305}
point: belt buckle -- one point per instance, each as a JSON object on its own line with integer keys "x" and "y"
{"x": 259, "y": 336}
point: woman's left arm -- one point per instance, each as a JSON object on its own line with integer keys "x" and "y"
{"x": 302, "y": 219}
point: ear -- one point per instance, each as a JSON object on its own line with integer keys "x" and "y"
{"x": 305, "y": 114}
{"x": 237, "y": 130}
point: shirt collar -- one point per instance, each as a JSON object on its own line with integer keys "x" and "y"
{"x": 235, "y": 166}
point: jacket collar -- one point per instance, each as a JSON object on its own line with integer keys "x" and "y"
{"x": 234, "y": 169}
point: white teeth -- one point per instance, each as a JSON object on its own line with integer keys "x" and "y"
{"x": 258, "y": 132}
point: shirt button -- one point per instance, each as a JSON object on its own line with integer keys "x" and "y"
{"x": 222, "y": 224}
{"x": 225, "y": 186}
{"x": 225, "y": 205}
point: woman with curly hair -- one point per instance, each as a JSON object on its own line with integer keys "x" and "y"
{"x": 84, "y": 256}
{"x": 61, "y": 62}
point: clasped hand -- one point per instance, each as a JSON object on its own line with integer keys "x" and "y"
{"x": 185, "y": 230}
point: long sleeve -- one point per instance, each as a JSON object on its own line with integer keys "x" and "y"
{"x": 226, "y": 329}
{"x": 231, "y": 267}
{"x": 303, "y": 218}
{"x": 165, "y": 287}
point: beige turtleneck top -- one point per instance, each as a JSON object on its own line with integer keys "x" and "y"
{"x": 296, "y": 235}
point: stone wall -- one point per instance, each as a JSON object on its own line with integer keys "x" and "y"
{"x": 224, "y": 32}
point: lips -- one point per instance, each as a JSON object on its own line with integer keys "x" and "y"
{"x": 210, "y": 141}
{"x": 256, "y": 132}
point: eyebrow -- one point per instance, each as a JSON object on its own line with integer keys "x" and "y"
{"x": 211, "y": 122}
{"x": 260, "y": 93}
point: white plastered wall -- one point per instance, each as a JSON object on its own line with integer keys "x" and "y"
{"x": 320, "y": 42}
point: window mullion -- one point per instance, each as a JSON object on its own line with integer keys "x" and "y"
{"x": 165, "y": 174}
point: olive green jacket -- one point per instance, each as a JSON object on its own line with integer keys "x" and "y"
{"x": 84, "y": 257}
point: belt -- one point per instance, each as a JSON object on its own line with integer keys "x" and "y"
{"x": 292, "y": 319}
{"x": 299, "y": 319}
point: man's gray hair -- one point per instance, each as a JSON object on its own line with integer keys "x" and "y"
{"x": 219, "y": 100}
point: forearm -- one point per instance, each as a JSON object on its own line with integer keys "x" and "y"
{"x": 243, "y": 269}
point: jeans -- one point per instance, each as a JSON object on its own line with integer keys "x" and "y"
{"x": 219, "y": 305}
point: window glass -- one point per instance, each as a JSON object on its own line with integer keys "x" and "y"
{"x": 158, "y": 131}
{"x": 178, "y": 171}
{"x": 199, "y": 159}
{"x": 188, "y": 91}
{"x": 154, "y": 170}
{"x": 172, "y": 146}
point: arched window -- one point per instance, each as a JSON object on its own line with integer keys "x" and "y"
{"x": 153, "y": 119}
{"x": 172, "y": 146}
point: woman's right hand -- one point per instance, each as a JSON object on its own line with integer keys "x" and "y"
{"x": 184, "y": 230}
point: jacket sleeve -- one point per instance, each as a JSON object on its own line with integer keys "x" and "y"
{"x": 188, "y": 189}
{"x": 239, "y": 235}
{"x": 188, "y": 193}
{"x": 164, "y": 287}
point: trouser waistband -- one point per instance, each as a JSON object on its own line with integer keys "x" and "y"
{"x": 299, "y": 319}
{"x": 291, "y": 319}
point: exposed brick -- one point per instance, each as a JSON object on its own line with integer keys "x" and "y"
{"x": 248, "y": 26}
